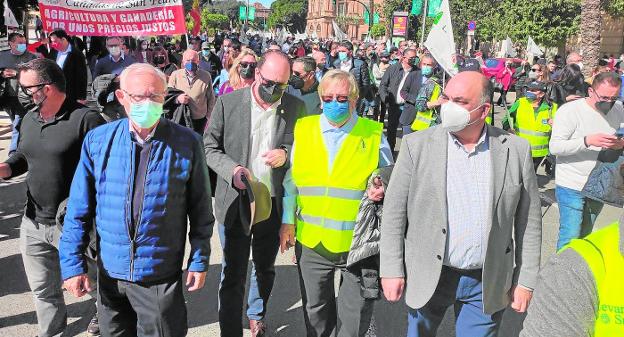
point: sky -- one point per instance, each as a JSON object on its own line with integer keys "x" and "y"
{"x": 265, "y": 3}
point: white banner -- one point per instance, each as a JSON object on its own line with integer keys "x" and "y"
{"x": 533, "y": 48}
{"x": 440, "y": 41}
{"x": 507, "y": 49}
{"x": 9, "y": 18}
{"x": 338, "y": 33}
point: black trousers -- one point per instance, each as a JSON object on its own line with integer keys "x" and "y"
{"x": 394, "y": 114}
{"x": 128, "y": 309}
{"x": 325, "y": 315}
{"x": 199, "y": 125}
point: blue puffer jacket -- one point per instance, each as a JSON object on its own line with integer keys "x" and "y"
{"x": 177, "y": 186}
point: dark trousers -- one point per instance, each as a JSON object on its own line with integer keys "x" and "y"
{"x": 154, "y": 309}
{"x": 263, "y": 243}
{"x": 394, "y": 113}
{"x": 379, "y": 114}
{"x": 349, "y": 314}
{"x": 199, "y": 125}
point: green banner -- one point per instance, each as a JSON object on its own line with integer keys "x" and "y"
{"x": 242, "y": 13}
{"x": 433, "y": 8}
{"x": 376, "y": 18}
{"x": 416, "y": 7}
{"x": 252, "y": 13}
{"x": 366, "y": 17}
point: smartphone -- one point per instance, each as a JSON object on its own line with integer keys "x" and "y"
{"x": 619, "y": 133}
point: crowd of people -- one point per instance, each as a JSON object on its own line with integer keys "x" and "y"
{"x": 127, "y": 141}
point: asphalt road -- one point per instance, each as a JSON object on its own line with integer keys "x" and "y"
{"x": 284, "y": 318}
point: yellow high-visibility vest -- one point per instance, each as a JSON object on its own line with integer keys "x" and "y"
{"x": 534, "y": 129}
{"x": 328, "y": 199}
{"x": 424, "y": 119}
{"x": 601, "y": 251}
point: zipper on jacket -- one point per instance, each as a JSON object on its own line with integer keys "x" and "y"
{"x": 128, "y": 206}
{"x": 139, "y": 218}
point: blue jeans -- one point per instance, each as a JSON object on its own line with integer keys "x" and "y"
{"x": 15, "y": 135}
{"x": 463, "y": 290}
{"x": 577, "y": 215}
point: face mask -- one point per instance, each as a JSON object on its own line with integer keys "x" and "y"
{"x": 455, "y": 117}
{"x": 604, "y": 106}
{"x": 205, "y": 53}
{"x": 394, "y": 61}
{"x": 531, "y": 96}
{"x": 426, "y": 71}
{"x": 21, "y": 48}
{"x": 296, "y": 82}
{"x": 270, "y": 93}
{"x": 159, "y": 59}
{"x": 533, "y": 75}
{"x": 343, "y": 56}
{"x": 56, "y": 46}
{"x": 114, "y": 51}
{"x": 25, "y": 100}
{"x": 413, "y": 62}
{"x": 320, "y": 66}
{"x": 191, "y": 67}
{"x": 145, "y": 114}
{"x": 336, "y": 112}
{"x": 247, "y": 72}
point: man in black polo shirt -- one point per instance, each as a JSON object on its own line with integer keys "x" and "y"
{"x": 49, "y": 147}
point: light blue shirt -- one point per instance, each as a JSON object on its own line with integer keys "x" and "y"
{"x": 469, "y": 202}
{"x": 61, "y": 56}
{"x": 333, "y": 138}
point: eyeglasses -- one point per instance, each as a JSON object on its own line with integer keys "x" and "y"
{"x": 298, "y": 74}
{"x": 273, "y": 83}
{"x": 136, "y": 98}
{"x": 339, "y": 98}
{"x": 248, "y": 64}
{"x": 535, "y": 69}
{"x": 606, "y": 98}
{"x": 28, "y": 89}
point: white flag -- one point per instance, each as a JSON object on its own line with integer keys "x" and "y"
{"x": 9, "y": 18}
{"x": 440, "y": 42}
{"x": 508, "y": 49}
{"x": 338, "y": 33}
{"x": 533, "y": 48}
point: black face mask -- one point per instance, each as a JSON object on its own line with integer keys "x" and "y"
{"x": 26, "y": 101}
{"x": 270, "y": 93}
{"x": 247, "y": 72}
{"x": 320, "y": 66}
{"x": 296, "y": 82}
{"x": 159, "y": 59}
{"x": 604, "y": 106}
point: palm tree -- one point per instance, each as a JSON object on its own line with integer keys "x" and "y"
{"x": 591, "y": 26}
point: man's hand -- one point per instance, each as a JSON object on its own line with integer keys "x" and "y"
{"x": 82, "y": 101}
{"x": 275, "y": 158}
{"x": 603, "y": 140}
{"x": 183, "y": 99}
{"x": 196, "y": 280}
{"x": 5, "y": 170}
{"x": 376, "y": 191}
{"x": 520, "y": 298}
{"x": 393, "y": 288}
{"x": 9, "y": 73}
{"x": 237, "y": 180}
{"x": 287, "y": 237}
{"x": 78, "y": 285}
{"x": 570, "y": 98}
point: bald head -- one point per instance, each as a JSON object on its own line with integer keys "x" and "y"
{"x": 463, "y": 89}
{"x": 190, "y": 55}
{"x": 274, "y": 66}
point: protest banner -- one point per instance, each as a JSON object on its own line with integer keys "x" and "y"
{"x": 114, "y": 17}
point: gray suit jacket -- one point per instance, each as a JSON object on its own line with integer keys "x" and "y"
{"x": 414, "y": 224}
{"x": 227, "y": 145}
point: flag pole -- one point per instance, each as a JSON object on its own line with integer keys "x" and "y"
{"x": 424, "y": 18}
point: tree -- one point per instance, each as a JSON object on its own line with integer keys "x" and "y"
{"x": 227, "y": 8}
{"x": 378, "y": 30}
{"x": 591, "y": 21}
{"x": 291, "y": 14}
{"x": 211, "y": 21}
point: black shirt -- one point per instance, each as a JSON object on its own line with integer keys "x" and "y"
{"x": 50, "y": 153}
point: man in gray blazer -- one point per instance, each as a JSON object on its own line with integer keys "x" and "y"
{"x": 250, "y": 133}
{"x": 461, "y": 222}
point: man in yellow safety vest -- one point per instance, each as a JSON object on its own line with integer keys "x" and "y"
{"x": 531, "y": 118}
{"x": 332, "y": 158}
{"x": 581, "y": 290}
{"x": 428, "y": 101}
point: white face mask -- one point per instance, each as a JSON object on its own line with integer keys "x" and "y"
{"x": 115, "y": 51}
{"x": 455, "y": 117}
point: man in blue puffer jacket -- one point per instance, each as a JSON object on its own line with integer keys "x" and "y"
{"x": 139, "y": 180}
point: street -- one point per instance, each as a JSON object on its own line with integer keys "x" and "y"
{"x": 285, "y": 318}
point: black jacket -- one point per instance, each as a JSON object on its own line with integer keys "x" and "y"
{"x": 359, "y": 70}
{"x": 389, "y": 85}
{"x": 75, "y": 71}
{"x": 410, "y": 90}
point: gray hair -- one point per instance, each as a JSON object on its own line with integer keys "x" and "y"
{"x": 141, "y": 68}
{"x": 308, "y": 62}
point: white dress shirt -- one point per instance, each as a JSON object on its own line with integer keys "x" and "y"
{"x": 399, "y": 98}
{"x": 261, "y": 138}
{"x": 61, "y": 56}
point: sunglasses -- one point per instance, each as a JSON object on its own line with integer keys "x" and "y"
{"x": 298, "y": 74}
{"x": 339, "y": 98}
{"x": 273, "y": 83}
{"x": 535, "y": 69}
{"x": 248, "y": 64}
{"x": 28, "y": 89}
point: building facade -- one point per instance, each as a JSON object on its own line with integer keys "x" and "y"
{"x": 348, "y": 14}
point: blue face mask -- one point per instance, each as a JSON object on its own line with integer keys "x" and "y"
{"x": 145, "y": 114}
{"x": 336, "y": 112}
{"x": 343, "y": 56}
{"x": 205, "y": 53}
{"x": 21, "y": 48}
{"x": 394, "y": 61}
{"x": 530, "y": 96}
{"x": 426, "y": 70}
{"x": 190, "y": 67}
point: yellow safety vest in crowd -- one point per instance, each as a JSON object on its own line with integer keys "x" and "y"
{"x": 601, "y": 251}
{"x": 424, "y": 118}
{"x": 329, "y": 198}
{"x": 534, "y": 128}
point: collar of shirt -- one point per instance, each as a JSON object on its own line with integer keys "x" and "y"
{"x": 482, "y": 145}
{"x": 255, "y": 105}
{"x": 134, "y": 133}
{"x": 67, "y": 51}
{"x": 121, "y": 57}
{"x": 346, "y": 128}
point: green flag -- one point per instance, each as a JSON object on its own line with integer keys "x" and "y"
{"x": 366, "y": 17}
{"x": 433, "y": 8}
{"x": 416, "y": 7}
{"x": 252, "y": 13}
{"x": 376, "y": 18}
{"x": 242, "y": 13}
